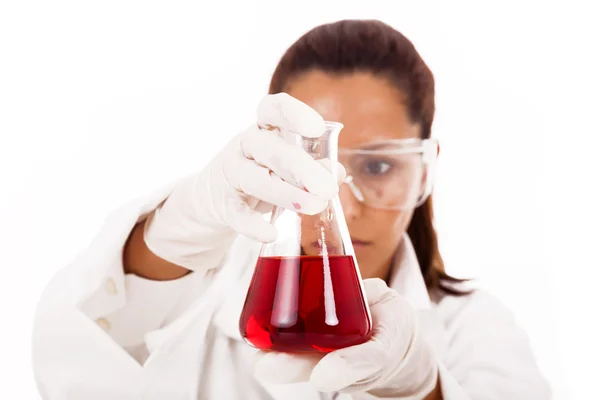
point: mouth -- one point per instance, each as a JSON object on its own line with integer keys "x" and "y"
{"x": 331, "y": 247}
{"x": 360, "y": 243}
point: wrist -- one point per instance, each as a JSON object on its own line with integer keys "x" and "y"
{"x": 139, "y": 260}
{"x": 174, "y": 233}
{"x": 436, "y": 393}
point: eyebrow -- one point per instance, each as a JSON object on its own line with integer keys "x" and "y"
{"x": 378, "y": 146}
{"x": 383, "y": 144}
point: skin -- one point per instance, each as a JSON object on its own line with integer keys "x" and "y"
{"x": 371, "y": 109}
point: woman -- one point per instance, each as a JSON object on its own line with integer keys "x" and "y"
{"x": 150, "y": 310}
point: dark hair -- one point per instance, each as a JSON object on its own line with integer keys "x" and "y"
{"x": 373, "y": 46}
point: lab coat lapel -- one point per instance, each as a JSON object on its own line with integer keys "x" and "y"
{"x": 407, "y": 280}
{"x": 406, "y": 277}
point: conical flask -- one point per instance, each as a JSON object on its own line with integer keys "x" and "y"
{"x": 306, "y": 294}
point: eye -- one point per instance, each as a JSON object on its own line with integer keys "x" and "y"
{"x": 377, "y": 167}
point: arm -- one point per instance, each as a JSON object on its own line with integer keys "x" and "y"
{"x": 481, "y": 355}
{"x": 489, "y": 356}
{"x": 139, "y": 260}
{"x": 93, "y": 310}
{"x": 128, "y": 282}
{"x": 436, "y": 393}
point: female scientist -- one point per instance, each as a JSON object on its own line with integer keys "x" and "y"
{"x": 150, "y": 310}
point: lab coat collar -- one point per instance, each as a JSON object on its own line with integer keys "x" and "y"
{"x": 406, "y": 279}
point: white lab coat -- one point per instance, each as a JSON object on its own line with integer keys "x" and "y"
{"x": 100, "y": 334}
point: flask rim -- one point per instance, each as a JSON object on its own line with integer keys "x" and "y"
{"x": 333, "y": 124}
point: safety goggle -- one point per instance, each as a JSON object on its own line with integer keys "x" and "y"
{"x": 391, "y": 174}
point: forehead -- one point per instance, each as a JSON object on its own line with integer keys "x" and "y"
{"x": 370, "y": 108}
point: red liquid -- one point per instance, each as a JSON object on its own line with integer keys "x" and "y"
{"x": 293, "y": 306}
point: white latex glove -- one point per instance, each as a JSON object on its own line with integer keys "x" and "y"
{"x": 256, "y": 170}
{"x": 395, "y": 363}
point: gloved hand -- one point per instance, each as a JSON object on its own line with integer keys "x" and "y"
{"x": 395, "y": 363}
{"x": 256, "y": 170}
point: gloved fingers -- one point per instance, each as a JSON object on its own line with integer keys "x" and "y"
{"x": 290, "y": 162}
{"x": 346, "y": 368}
{"x": 276, "y": 367}
{"x": 257, "y": 181}
{"x": 286, "y": 113}
{"x": 337, "y": 169}
{"x": 248, "y": 222}
{"x": 377, "y": 291}
{"x": 358, "y": 367}
{"x": 393, "y": 318}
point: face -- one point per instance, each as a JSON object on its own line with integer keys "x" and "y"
{"x": 371, "y": 109}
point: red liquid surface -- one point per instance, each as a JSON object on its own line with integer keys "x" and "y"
{"x": 293, "y": 306}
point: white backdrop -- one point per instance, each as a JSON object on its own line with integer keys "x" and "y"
{"x": 104, "y": 101}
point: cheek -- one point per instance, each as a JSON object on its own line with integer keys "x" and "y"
{"x": 401, "y": 222}
{"x": 398, "y": 224}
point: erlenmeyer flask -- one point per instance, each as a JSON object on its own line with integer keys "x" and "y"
{"x": 306, "y": 293}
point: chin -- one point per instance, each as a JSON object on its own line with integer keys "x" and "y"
{"x": 372, "y": 262}
{"x": 366, "y": 267}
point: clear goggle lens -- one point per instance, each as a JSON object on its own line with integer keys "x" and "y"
{"x": 395, "y": 174}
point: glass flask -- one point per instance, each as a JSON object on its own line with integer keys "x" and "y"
{"x": 306, "y": 293}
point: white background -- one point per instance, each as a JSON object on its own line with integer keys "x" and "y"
{"x": 104, "y": 101}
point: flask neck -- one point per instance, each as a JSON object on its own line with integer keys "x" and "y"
{"x": 322, "y": 147}
{"x": 325, "y": 146}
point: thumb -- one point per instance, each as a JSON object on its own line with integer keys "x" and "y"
{"x": 357, "y": 367}
{"x": 346, "y": 367}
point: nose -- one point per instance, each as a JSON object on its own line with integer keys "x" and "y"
{"x": 350, "y": 204}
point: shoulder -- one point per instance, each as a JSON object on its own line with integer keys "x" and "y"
{"x": 485, "y": 348}
{"x": 477, "y": 307}
{"x": 480, "y": 327}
